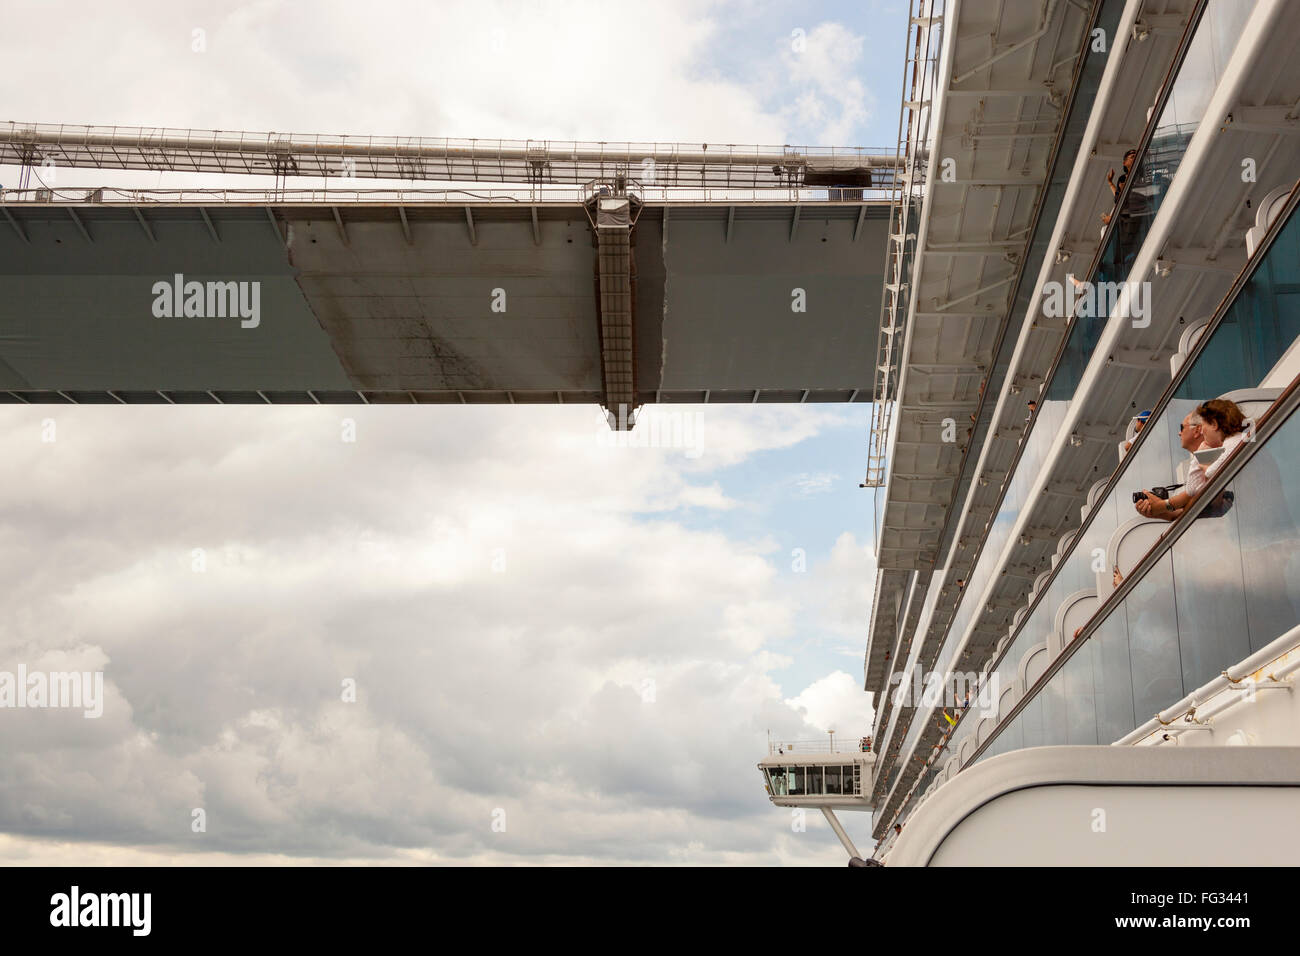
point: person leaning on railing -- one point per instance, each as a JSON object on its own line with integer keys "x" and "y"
{"x": 1139, "y": 422}
{"x": 1129, "y": 159}
{"x": 1218, "y": 423}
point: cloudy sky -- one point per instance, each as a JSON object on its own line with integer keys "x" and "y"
{"x": 585, "y": 642}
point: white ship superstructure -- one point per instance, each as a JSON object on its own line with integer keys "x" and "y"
{"x": 1093, "y": 235}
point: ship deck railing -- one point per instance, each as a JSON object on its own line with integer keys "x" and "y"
{"x": 846, "y": 745}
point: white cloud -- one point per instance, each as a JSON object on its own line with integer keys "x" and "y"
{"x": 817, "y": 484}
{"x": 848, "y": 578}
{"x": 523, "y": 689}
{"x": 835, "y": 702}
{"x": 460, "y": 69}
{"x": 832, "y": 99}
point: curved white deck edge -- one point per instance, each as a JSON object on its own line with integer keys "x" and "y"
{"x": 1149, "y": 801}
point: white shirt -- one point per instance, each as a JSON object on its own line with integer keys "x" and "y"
{"x": 1229, "y": 443}
{"x": 1197, "y": 479}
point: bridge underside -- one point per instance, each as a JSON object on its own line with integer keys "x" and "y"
{"x": 439, "y": 303}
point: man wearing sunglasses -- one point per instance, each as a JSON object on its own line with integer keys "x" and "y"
{"x": 1191, "y": 437}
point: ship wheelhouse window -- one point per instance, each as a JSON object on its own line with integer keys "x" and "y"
{"x": 777, "y": 781}
{"x": 833, "y": 781}
{"x": 836, "y": 781}
{"x": 798, "y": 785}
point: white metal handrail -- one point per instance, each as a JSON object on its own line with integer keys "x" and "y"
{"x": 113, "y": 195}
{"x": 840, "y": 745}
{"x": 1280, "y": 658}
{"x": 426, "y": 158}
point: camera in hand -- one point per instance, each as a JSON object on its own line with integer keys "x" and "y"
{"x": 1160, "y": 491}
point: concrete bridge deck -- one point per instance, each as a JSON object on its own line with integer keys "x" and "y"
{"x": 455, "y": 300}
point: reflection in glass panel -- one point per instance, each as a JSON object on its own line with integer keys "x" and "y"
{"x": 1075, "y": 575}
{"x": 1052, "y": 697}
{"x": 1031, "y": 723}
{"x": 1211, "y": 598}
{"x": 1112, "y": 679}
{"x": 1153, "y": 640}
{"x": 993, "y": 749}
{"x": 1080, "y": 707}
{"x": 1257, "y": 329}
{"x": 1010, "y": 665}
{"x": 1266, "y": 509}
{"x": 815, "y": 780}
{"x": 1013, "y": 738}
{"x": 1182, "y": 623}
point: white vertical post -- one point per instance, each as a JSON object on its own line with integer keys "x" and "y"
{"x": 839, "y": 832}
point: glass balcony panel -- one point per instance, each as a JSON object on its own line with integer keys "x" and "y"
{"x": 1211, "y": 46}
{"x": 1080, "y": 704}
{"x": 965, "y": 727}
{"x": 1031, "y": 724}
{"x": 1266, "y": 508}
{"x": 1153, "y": 640}
{"x": 1015, "y": 737}
{"x": 1006, "y": 670}
{"x": 1181, "y": 625}
{"x": 1210, "y": 598}
{"x": 1112, "y": 679}
{"x": 1053, "y": 710}
{"x": 1258, "y": 328}
{"x": 1076, "y": 572}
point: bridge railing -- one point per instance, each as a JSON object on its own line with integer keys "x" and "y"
{"x": 110, "y": 195}
{"x": 438, "y": 159}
